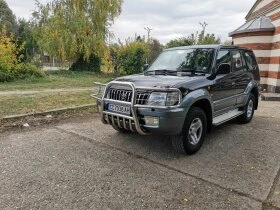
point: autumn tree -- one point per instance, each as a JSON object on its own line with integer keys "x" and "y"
{"x": 11, "y": 65}
{"x": 68, "y": 29}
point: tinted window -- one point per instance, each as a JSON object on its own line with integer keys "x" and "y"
{"x": 184, "y": 60}
{"x": 250, "y": 60}
{"x": 237, "y": 61}
{"x": 224, "y": 56}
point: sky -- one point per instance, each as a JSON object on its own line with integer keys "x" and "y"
{"x": 168, "y": 19}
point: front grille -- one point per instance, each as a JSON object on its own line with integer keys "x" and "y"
{"x": 120, "y": 95}
{"x": 142, "y": 97}
{"x": 126, "y": 95}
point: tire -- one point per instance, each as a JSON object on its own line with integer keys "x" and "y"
{"x": 249, "y": 110}
{"x": 121, "y": 130}
{"x": 186, "y": 142}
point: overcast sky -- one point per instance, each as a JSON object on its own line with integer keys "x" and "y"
{"x": 168, "y": 18}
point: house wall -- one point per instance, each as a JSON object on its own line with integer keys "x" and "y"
{"x": 263, "y": 8}
{"x": 266, "y": 46}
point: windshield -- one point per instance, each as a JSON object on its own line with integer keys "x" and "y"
{"x": 188, "y": 60}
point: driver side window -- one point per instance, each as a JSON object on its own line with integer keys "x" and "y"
{"x": 224, "y": 57}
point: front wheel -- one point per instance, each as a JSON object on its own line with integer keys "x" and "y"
{"x": 249, "y": 110}
{"x": 194, "y": 131}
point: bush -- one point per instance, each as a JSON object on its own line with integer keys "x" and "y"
{"x": 6, "y": 76}
{"x": 21, "y": 71}
{"x": 93, "y": 64}
{"x": 10, "y": 66}
{"x": 27, "y": 70}
{"x": 131, "y": 57}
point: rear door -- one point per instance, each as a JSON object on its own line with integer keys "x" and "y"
{"x": 242, "y": 75}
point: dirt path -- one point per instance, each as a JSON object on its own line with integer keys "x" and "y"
{"x": 30, "y": 92}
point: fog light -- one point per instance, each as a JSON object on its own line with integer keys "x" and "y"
{"x": 152, "y": 121}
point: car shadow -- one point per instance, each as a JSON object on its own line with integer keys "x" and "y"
{"x": 161, "y": 146}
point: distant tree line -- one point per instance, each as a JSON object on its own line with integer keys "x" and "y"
{"x": 78, "y": 31}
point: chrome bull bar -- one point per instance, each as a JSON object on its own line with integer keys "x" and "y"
{"x": 121, "y": 120}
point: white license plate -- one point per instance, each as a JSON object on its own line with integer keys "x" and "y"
{"x": 119, "y": 108}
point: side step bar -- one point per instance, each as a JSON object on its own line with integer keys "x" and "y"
{"x": 227, "y": 117}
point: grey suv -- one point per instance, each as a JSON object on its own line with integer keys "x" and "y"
{"x": 183, "y": 93}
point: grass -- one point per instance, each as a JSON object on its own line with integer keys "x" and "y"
{"x": 39, "y": 102}
{"x": 57, "y": 79}
{"x": 23, "y": 104}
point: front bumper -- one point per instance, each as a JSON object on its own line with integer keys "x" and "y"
{"x": 171, "y": 119}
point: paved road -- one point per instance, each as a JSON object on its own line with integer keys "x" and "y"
{"x": 83, "y": 164}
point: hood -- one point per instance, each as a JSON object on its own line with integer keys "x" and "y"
{"x": 159, "y": 81}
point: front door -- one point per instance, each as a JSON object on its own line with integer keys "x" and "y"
{"x": 223, "y": 89}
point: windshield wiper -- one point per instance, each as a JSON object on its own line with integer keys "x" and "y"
{"x": 162, "y": 72}
{"x": 191, "y": 71}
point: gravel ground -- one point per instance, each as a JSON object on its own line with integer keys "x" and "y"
{"x": 83, "y": 164}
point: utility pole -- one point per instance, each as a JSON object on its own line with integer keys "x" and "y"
{"x": 149, "y": 35}
{"x": 204, "y": 25}
{"x": 149, "y": 32}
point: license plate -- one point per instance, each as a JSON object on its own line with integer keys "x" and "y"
{"x": 119, "y": 108}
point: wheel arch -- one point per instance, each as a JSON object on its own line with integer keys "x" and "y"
{"x": 202, "y": 99}
{"x": 205, "y": 105}
{"x": 253, "y": 88}
{"x": 255, "y": 92}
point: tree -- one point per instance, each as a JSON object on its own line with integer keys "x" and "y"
{"x": 227, "y": 42}
{"x": 93, "y": 64}
{"x": 68, "y": 29}
{"x": 154, "y": 49}
{"x": 7, "y": 18}
{"x": 183, "y": 41}
{"x": 11, "y": 65}
{"x": 130, "y": 56}
{"x": 208, "y": 39}
{"x": 8, "y": 52}
{"x": 25, "y": 38}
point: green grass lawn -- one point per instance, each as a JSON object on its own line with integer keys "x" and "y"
{"x": 39, "y": 102}
{"x": 24, "y": 104}
{"x": 57, "y": 79}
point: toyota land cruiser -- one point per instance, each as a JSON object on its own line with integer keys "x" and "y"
{"x": 183, "y": 93}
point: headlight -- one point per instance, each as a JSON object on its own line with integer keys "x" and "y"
{"x": 164, "y": 99}
{"x": 157, "y": 99}
{"x": 172, "y": 99}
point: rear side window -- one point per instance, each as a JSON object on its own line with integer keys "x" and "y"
{"x": 224, "y": 56}
{"x": 250, "y": 60}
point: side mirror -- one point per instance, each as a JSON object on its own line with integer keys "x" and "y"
{"x": 146, "y": 66}
{"x": 224, "y": 68}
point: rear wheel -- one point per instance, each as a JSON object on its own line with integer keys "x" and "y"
{"x": 249, "y": 110}
{"x": 193, "y": 134}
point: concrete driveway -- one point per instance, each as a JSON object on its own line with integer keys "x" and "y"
{"x": 82, "y": 164}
